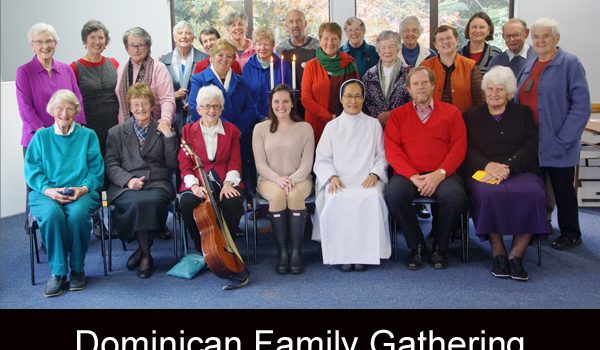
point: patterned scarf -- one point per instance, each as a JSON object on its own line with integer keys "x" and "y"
{"x": 386, "y": 86}
{"x": 140, "y": 132}
{"x": 340, "y": 68}
{"x": 144, "y": 76}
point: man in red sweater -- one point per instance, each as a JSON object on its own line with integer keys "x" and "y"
{"x": 425, "y": 143}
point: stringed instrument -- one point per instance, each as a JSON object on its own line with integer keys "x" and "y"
{"x": 219, "y": 250}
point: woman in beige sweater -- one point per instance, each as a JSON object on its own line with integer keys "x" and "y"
{"x": 284, "y": 148}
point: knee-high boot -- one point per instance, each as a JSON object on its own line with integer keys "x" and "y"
{"x": 279, "y": 226}
{"x": 297, "y": 221}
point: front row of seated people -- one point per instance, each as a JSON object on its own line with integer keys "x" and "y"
{"x": 425, "y": 143}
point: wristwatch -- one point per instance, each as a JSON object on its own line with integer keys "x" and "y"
{"x": 443, "y": 171}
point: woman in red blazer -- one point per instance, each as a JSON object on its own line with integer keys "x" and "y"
{"x": 217, "y": 144}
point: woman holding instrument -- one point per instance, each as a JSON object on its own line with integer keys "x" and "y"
{"x": 217, "y": 143}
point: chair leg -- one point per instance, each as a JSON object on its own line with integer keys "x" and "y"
{"x": 103, "y": 242}
{"x": 246, "y": 232}
{"x": 464, "y": 232}
{"x": 254, "y": 220}
{"x": 539, "y": 250}
{"x": 175, "y": 239}
{"x": 31, "y": 233}
{"x": 110, "y": 231}
{"x": 394, "y": 235}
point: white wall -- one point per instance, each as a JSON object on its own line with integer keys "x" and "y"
{"x": 579, "y": 33}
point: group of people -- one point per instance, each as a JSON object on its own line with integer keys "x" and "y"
{"x": 378, "y": 126}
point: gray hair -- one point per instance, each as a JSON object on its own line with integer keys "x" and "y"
{"x": 63, "y": 95}
{"x": 41, "y": 28}
{"x": 503, "y": 76}
{"x": 232, "y": 16}
{"x": 209, "y": 92}
{"x": 91, "y": 26}
{"x": 353, "y": 20}
{"x": 181, "y": 25}
{"x": 546, "y": 22}
{"x": 140, "y": 33}
{"x": 515, "y": 20}
{"x": 410, "y": 20}
{"x": 386, "y": 35}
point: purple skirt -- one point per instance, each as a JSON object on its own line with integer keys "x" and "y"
{"x": 516, "y": 206}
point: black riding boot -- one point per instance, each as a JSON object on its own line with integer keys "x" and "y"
{"x": 279, "y": 226}
{"x": 297, "y": 222}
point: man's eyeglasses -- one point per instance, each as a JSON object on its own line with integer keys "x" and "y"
{"x": 512, "y": 36}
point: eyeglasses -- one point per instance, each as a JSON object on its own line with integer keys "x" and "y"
{"x": 353, "y": 97}
{"x": 60, "y": 109}
{"x": 512, "y": 36}
{"x": 136, "y": 47}
{"x": 208, "y": 107}
{"x": 48, "y": 42}
{"x": 138, "y": 105}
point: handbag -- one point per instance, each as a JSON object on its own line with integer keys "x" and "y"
{"x": 189, "y": 265}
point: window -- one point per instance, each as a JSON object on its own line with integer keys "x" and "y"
{"x": 380, "y": 15}
{"x": 386, "y": 14}
{"x": 268, "y": 13}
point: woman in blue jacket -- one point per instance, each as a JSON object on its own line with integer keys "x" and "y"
{"x": 555, "y": 88}
{"x": 257, "y": 72}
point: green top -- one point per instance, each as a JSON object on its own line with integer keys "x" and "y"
{"x": 54, "y": 161}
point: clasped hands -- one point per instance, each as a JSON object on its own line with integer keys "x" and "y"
{"x": 55, "y": 194}
{"x": 427, "y": 184}
{"x": 286, "y": 184}
{"x": 496, "y": 171}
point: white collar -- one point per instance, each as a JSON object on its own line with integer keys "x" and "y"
{"x": 522, "y": 53}
{"x": 57, "y": 130}
{"x": 217, "y": 129}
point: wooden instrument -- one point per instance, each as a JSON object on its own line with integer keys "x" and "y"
{"x": 219, "y": 250}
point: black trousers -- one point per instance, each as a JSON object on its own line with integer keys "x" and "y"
{"x": 232, "y": 208}
{"x": 452, "y": 202}
{"x": 567, "y": 209}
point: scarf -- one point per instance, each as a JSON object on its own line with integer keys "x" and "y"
{"x": 140, "y": 132}
{"x": 144, "y": 76}
{"x": 183, "y": 79}
{"x": 340, "y": 68}
{"x": 386, "y": 86}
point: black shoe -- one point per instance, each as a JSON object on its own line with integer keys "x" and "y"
{"x": 345, "y": 267}
{"x": 500, "y": 268}
{"x": 415, "y": 260}
{"x": 359, "y": 267}
{"x": 422, "y": 211}
{"x": 146, "y": 272}
{"x": 55, "y": 286}
{"x": 438, "y": 259}
{"x": 517, "y": 272}
{"x": 134, "y": 260}
{"x": 77, "y": 281}
{"x": 564, "y": 242}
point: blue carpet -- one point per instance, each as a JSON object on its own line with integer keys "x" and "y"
{"x": 565, "y": 280}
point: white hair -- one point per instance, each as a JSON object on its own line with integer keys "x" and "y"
{"x": 503, "y": 76}
{"x": 62, "y": 95}
{"x": 546, "y": 22}
{"x": 181, "y": 25}
{"x": 386, "y": 35}
{"x": 41, "y": 28}
{"x": 411, "y": 20}
{"x": 209, "y": 92}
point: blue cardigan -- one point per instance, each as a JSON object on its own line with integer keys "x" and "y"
{"x": 564, "y": 108}
{"x": 258, "y": 81}
{"x": 239, "y": 106}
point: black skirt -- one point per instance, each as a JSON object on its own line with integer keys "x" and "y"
{"x": 143, "y": 210}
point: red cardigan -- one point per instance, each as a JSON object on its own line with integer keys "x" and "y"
{"x": 412, "y": 147}
{"x": 227, "y": 157}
